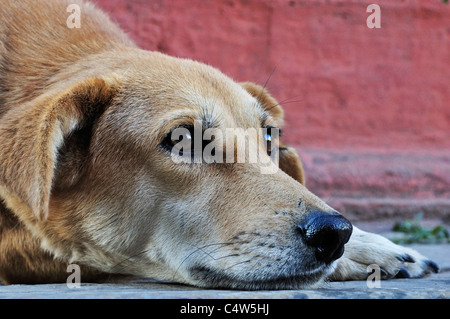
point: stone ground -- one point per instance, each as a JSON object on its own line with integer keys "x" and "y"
{"x": 434, "y": 286}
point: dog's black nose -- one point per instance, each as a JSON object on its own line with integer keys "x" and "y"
{"x": 326, "y": 233}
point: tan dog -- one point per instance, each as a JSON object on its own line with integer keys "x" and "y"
{"x": 87, "y": 175}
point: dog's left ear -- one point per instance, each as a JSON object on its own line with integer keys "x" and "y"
{"x": 32, "y": 134}
{"x": 290, "y": 162}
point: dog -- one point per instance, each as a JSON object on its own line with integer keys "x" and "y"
{"x": 88, "y": 177}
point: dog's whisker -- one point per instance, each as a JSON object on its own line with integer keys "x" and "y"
{"x": 202, "y": 249}
{"x": 270, "y": 207}
{"x": 241, "y": 262}
{"x": 281, "y": 268}
{"x": 265, "y": 83}
{"x": 127, "y": 259}
{"x": 286, "y": 101}
{"x": 230, "y": 255}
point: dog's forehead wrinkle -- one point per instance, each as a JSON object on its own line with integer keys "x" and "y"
{"x": 231, "y": 113}
{"x": 215, "y": 91}
{"x": 200, "y": 88}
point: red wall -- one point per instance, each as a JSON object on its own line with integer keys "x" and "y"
{"x": 344, "y": 85}
{"x": 368, "y": 109}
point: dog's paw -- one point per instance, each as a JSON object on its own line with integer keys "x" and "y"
{"x": 367, "y": 249}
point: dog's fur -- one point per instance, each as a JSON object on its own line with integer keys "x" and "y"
{"x": 84, "y": 179}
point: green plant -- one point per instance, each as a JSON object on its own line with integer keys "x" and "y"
{"x": 413, "y": 232}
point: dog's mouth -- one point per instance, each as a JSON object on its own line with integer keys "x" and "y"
{"x": 213, "y": 278}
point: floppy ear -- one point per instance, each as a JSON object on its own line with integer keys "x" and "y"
{"x": 32, "y": 134}
{"x": 290, "y": 162}
{"x": 266, "y": 100}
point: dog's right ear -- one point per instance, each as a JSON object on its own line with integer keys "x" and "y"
{"x": 290, "y": 162}
{"x": 32, "y": 134}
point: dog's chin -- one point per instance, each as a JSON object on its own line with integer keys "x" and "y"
{"x": 213, "y": 278}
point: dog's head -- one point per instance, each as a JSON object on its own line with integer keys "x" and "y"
{"x": 91, "y": 171}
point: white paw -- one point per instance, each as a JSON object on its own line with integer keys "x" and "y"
{"x": 394, "y": 261}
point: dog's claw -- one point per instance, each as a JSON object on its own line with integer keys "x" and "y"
{"x": 384, "y": 274}
{"x": 403, "y": 273}
{"x": 406, "y": 258}
{"x": 432, "y": 266}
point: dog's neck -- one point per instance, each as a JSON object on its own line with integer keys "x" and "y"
{"x": 22, "y": 260}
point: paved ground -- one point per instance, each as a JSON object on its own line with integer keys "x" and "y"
{"x": 430, "y": 287}
{"x": 435, "y": 286}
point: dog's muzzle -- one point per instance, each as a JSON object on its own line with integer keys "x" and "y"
{"x": 326, "y": 233}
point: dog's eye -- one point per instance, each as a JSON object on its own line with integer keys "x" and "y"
{"x": 180, "y": 140}
{"x": 268, "y": 141}
{"x": 271, "y": 135}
